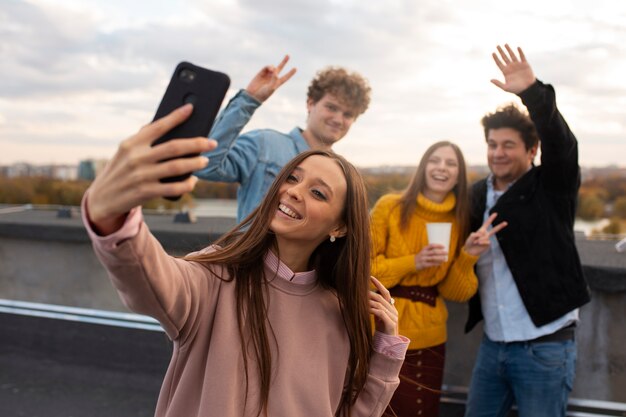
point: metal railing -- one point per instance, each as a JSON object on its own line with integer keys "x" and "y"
{"x": 85, "y": 315}
{"x": 451, "y": 394}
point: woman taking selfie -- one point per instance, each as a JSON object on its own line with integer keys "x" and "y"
{"x": 273, "y": 319}
{"x": 420, "y": 275}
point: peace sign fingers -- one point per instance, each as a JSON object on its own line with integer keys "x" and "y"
{"x": 283, "y": 79}
{"x": 268, "y": 80}
{"x": 488, "y": 223}
{"x": 496, "y": 228}
{"x": 484, "y": 229}
{"x": 479, "y": 241}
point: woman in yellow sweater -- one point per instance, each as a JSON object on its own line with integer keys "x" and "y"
{"x": 420, "y": 275}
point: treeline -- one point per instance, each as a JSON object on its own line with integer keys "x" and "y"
{"x": 599, "y": 198}
{"x": 604, "y": 198}
{"x": 41, "y": 190}
{"x": 37, "y": 190}
{"x": 380, "y": 184}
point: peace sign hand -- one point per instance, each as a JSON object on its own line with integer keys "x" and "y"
{"x": 268, "y": 80}
{"x": 478, "y": 241}
{"x": 518, "y": 75}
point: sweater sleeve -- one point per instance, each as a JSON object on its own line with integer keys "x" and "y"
{"x": 151, "y": 282}
{"x": 389, "y": 271}
{"x": 394, "y": 346}
{"x": 382, "y": 381}
{"x": 460, "y": 284}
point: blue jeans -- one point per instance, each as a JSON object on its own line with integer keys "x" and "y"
{"x": 537, "y": 377}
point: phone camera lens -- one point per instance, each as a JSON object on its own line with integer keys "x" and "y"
{"x": 187, "y": 75}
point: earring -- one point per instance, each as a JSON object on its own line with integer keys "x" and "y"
{"x": 332, "y": 239}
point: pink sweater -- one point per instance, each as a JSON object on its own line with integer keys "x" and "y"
{"x": 197, "y": 310}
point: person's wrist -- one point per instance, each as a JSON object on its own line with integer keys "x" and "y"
{"x": 104, "y": 224}
{"x": 108, "y": 226}
{"x": 418, "y": 264}
{"x": 255, "y": 95}
{"x": 526, "y": 87}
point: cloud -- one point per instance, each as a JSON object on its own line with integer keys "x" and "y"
{"x": 92, "y": 72}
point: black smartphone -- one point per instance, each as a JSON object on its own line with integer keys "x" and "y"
{"x": 203, "y": 88}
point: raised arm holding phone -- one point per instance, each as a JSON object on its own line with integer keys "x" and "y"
{"x": 269, "y": 320}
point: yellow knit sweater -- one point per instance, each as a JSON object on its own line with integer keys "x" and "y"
{"x": 393, "y": 263}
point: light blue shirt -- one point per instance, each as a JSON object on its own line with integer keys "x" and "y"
{"x": 253, "y": 159}
{"x": 506, "y": 317}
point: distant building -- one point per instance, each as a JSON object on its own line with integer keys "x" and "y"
{"x": 24, "y": 169}
{"x": 479, "y": 170}
{"x": 389, "y": 169}
{"x": 590, "y": 173}
{"x": 20, "y": 169}
{"x": 88, "y": 169}
{"x": 65, "y": 172}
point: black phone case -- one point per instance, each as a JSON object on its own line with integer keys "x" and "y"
{"x": 206, "y": 90}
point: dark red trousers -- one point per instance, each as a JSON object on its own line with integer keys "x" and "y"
{"x": 420, "y": 384}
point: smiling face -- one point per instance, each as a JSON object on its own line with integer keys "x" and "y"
{"x": 441, "y": 173}
{"x": 507, "y": 156}
{"x": 311, "y": 203}
{"x": 329, "y": 120}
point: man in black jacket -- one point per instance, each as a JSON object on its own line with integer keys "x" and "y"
{"x": 531, "y": 281}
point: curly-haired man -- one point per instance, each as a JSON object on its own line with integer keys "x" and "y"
{"x": 335, "y": 98}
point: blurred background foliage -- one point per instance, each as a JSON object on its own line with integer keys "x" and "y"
{"x": 599, "y": 198}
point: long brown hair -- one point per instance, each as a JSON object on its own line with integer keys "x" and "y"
{"x": 340, "y": 267}
{"x": 408, "y": 201}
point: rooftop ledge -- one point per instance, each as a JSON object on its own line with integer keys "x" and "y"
{"x": 604, "y": 267}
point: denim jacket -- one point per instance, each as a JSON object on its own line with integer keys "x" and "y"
{"x": 252, "y": 159}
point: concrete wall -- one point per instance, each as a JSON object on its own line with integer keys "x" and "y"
{"x": 63, "y": 273}
{"x": 42, "y": 261}
{"x": 46, "y": 259}
{"x": 601, "y": 336}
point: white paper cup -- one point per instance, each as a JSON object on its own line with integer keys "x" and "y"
{"x": 439, "y": 233}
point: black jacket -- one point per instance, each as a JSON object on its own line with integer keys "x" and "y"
{"x": 538, "y": 243}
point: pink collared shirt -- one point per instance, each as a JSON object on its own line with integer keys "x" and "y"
{"x": 393, "y": 346}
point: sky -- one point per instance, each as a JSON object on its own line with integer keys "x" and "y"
{"x": 79, "y": 76}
